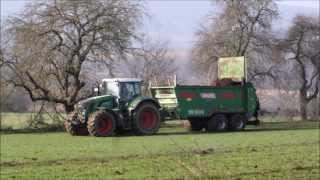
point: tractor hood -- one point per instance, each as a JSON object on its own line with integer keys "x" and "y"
{"x": 96, "y": 99}
{"x": 90, "y": 105}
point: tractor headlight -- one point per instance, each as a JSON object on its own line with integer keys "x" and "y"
{"x": 83, "y": 113}
{"x": 82, "y": 109}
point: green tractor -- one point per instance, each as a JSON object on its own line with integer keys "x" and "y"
{"x": 119, "y": 105}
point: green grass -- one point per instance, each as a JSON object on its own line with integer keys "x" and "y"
{"x": 19, "y": 121}
{"x": 272, "y": 151}
{"x": 15, "y": 120}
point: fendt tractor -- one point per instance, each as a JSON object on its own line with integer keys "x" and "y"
{"x": 119, "y": 105}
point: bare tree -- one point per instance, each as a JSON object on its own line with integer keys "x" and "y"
{"x": 241, "y": 28}
{"x": 48, "y": 45}
{"x": 151, "y": 62}
{"x": 302, "y": 47}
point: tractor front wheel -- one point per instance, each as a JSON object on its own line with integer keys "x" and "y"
{"x": 101, "y": 124}
{"x": 147, "y": 119}
{"x": 74, "y": 126}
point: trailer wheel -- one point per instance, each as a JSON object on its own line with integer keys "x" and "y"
{"x": 237, "y": 122}
{"x": 217, "y": 123}
{"x": 146, "y": 119}
{"x": 196, "y": 124}
{"x": 101, "y": 124}
{"x": 74, "y": 126}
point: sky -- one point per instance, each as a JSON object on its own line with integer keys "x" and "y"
{"x": 177, "y": 21}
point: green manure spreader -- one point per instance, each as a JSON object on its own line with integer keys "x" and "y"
{"x": 212, "y": 108}
{"x": 120, "y": 106}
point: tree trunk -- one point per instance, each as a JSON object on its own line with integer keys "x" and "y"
{"x": 303, "y": 104}
{"x": 68, "y": 108}
{"x": 319, "y": 106}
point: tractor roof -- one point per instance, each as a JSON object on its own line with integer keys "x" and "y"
{"x": 121, "y": 80}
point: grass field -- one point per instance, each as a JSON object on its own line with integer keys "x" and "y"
{"x": 19, "y": 121}
{"x": 272, "y": 151}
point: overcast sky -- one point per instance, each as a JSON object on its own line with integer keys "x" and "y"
{"x": 177, "y": 21}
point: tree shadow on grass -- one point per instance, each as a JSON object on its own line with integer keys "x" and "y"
{"x": 264, "y": 127}
{"x": 176, "y": 129}
{"x": 50, "y": 129}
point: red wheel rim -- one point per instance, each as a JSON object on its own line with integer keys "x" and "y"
{"x": 148, "y": 119}
{"x": 105, "y": 125}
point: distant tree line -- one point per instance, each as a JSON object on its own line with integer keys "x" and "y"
{"x": 49, "y": 49}
{"x": 244, "y": 29}
{"x": 53, "y": 50}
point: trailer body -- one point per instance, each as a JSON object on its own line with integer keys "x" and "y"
{"x": 206, "y": 101}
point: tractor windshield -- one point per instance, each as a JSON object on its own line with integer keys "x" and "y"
{"x": 129, "y": 89}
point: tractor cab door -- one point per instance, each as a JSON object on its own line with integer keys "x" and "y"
{"x": 129, "y": 90}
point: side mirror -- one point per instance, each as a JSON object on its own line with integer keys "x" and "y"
{"x": 96, "y": 91}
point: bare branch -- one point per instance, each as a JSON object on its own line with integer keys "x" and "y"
{"x": 52, "y": 41}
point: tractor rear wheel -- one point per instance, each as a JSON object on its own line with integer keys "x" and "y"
{"x": 237, "y": 122}
{"x": 146, "y": 119}
{"x": 74, "y": 126}
{"x": 196, "y": 124}
{"x": 217, "y": 123}
{"x": 101, "y": 124}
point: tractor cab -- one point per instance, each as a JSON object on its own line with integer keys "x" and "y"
{"x": 123, "y": 88}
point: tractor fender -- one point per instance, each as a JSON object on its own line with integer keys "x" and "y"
{"x": 136, "y": 102}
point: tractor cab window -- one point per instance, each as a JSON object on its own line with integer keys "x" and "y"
{"x": 109, "y": 88}
{"x": 129, "y": 90}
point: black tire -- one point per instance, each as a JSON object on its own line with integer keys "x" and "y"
{"x": 217, "y": 122}
{"x": 237, "y": 122}
{"x": 196, "y": 124}
{"x": 146, "y": 119}
{"x": 101, "y": 124}
{"x": 74, "y": 127}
